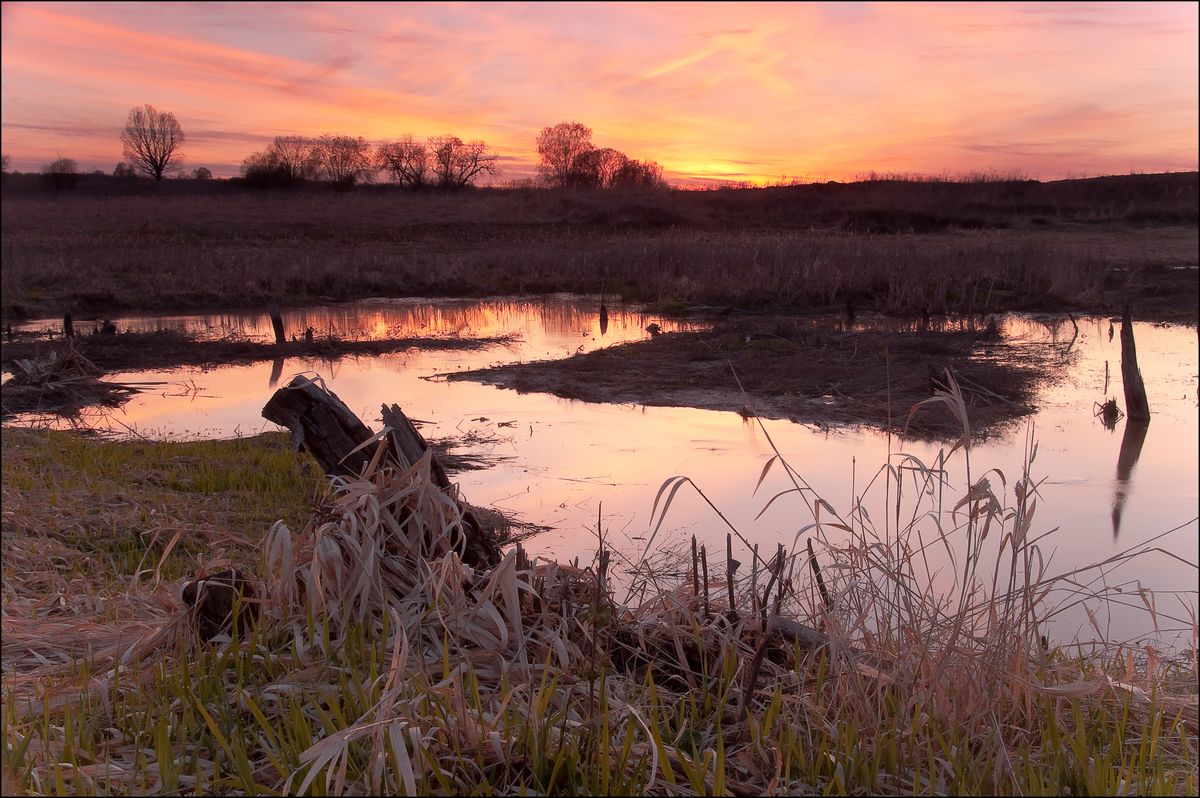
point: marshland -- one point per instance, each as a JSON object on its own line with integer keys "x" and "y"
{"x": 704, "y": 420}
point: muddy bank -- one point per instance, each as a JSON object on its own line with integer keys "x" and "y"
{"x": 168, "y": 349}
{"x": 808, "y": 370}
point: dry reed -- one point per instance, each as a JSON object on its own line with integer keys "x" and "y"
{"x": 383, "y": 664}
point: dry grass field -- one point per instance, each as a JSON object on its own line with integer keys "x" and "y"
{"x": 901, "y": 247}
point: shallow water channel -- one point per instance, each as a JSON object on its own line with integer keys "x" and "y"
{"x": 563, "y": 464}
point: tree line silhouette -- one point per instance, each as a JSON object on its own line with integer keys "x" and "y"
{"x": 567, "y": 159}
{"x": 151, "y": 144}
{"x": 152, "y": 141}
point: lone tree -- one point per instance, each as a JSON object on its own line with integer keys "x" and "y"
{"x": 152, "y": 140}
{"x": 561, "y": 147}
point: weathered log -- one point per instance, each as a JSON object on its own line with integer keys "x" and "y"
{"x": 1137, "y": 406}
{"x": 796, "y": 632}
{"x": 408, "y": 446}
{"x": 322, "y": 424}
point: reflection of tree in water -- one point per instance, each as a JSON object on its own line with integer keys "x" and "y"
{"x": 1131, "y": 450}
{"x": 556, "y": 317}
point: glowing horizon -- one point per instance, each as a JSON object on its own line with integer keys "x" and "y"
{"x": 712, "y": 92}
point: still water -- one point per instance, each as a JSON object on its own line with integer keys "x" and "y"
{"x": 564, "y": 464}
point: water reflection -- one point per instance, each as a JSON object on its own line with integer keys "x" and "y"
{"x": 563, "y": 459}
{"x": 1131, "y": 450}
{"x": 549, "y": 321}
{"x": 276, "y": 372}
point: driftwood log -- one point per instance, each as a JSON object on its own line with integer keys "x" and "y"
{"x": 323, "y": 425}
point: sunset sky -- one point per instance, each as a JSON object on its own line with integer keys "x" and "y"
{"x": 712, "y": 92}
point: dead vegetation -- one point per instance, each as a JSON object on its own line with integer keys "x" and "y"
{"x": 166, "y": 349}
{"x": 810, "y": 369}
{"x": 381, "y": 663}
{"x": 61, "y": 379}
{"x": 64, "y": 376}
{"x": 896, "y": 246}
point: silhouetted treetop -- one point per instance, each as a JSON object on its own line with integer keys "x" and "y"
{"x": 343, "y": 160}
{"x": 446, "y": 161}
{"x": 152, "y": 140}
{"x": 560, "y": 148}
{"x": 456, "y": 163}
{"x": 406, "y": 160}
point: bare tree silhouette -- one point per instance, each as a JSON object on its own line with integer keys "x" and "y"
{"x": 560, "y": 148}
{"x": 598, "y": 168}
{"x": 406, "y": 160}
{"x": 152, "y": 140}
{"x": 61, "y": 173}
{"x": 639, "y": 174}
{"x": 344, "y": 160}
{"x": 456, "y": 163}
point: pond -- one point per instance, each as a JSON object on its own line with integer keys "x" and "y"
{"x": 565, "y": 464}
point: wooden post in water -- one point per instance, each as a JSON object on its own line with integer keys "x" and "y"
{"x": 68, "y": 325}
{"x": 1137, "y": 407}
{"x": 276, "y": 321}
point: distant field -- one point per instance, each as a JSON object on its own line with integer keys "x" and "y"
{"x": 901, "y": 247}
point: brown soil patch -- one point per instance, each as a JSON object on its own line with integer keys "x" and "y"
{"x": 169, "y": 349}
{"x": 59, "y": 389}
{"x": 808, "y": 370}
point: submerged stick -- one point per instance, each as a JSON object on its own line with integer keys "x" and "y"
{"x": 695, "y": 569}
{"x": 731, "y": 565}
{"x": 754, "y": 581}
{"x": 1137, "y": 407}
{"x": 776, "y": 569}
{"x": 816, "y": 569}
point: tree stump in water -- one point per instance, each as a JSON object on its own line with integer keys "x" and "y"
{"x": 321, "y": 423}
{"x": 276, "y": 321}
{"x": 1137, "y": 406}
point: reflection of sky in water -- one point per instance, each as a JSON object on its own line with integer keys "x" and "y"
{"x": 567, "y": 460}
